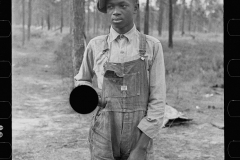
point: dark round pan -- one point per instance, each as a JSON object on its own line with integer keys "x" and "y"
{"x": 83, "y": 99}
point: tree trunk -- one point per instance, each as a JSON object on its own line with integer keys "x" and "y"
{"x": 174, "y": 18}
{"x": 97, "y": 20}
{"x": 61, "y": 27}
{"x": 190, "y": 17}
{"x": 170, "y": 41}
{"x": 29, "y": 18}
{"x": 196, "y": 22}
{"x": 152, "y": 20}
{"x": 23, "y": 21}
{"x": 42, "y": 21}
{"x": 39, "y": 20}
{"x": 166, "y": 17}
{"x": 183, "y": 17}
{"x": 210, "y": 24}
{"x": 88, "y": 17}
{"x": 107, "y": 25}
{"x": 37, "y": 23}
{"x": 78, "y": 34}
{"x": 160, "y": 21}
{"x": 71, "y": 16}
{"x": 138, "y": 19}
{"x": 146, "y": 20}
{"x": 48, "y": 20}
{"x": 94, "y": 19}
{"x": 195, "y": 27}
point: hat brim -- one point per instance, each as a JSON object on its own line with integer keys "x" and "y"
{"x": 101, "y": 6}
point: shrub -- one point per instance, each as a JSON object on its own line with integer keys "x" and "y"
{"x": 63, "y": 58}
{"x": 204, "y": 61}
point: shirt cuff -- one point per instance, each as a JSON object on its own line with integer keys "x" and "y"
{"x": 150, "y": 126}
{"x": 79, "y": 83}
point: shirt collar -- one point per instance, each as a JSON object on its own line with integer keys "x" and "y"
{"x": 130, "y": 34}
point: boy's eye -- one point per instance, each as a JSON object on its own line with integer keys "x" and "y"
{"x": 109, "y": 7}
{"x": 123, "y": 6}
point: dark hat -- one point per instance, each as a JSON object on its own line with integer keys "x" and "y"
{"x": 101, "y": 6}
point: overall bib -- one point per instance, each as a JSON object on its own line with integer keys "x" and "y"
{"x": 125, "y": 92}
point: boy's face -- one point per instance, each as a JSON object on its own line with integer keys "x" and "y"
{"x": 121, "y": 12}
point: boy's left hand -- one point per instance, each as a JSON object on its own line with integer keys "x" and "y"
{"x": 140, "y": 151}
{"x": 137, "y": 154}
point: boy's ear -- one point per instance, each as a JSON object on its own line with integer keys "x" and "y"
{"x": 136, "y": 8}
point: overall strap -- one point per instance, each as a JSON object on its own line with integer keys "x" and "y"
{"x": 106, "y": 43}
{"x": 106, "y": 47}
{"x": 142, "y": 52}
{"x": 142, "y": 44}
{"x": 103, "y": 100}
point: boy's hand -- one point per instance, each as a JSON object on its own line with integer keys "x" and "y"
{"x": 99, "y": 92}
{"x": 137, "y": 154}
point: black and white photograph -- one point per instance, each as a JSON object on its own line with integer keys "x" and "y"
{"x": 117, "y": 80}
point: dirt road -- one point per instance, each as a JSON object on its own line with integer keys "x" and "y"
{"x": 44, "y": 127}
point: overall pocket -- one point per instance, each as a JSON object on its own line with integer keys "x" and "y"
{"x": 132, "y": 81}
{"x": 120, "y": 87}
{"x": 112, "y": 84}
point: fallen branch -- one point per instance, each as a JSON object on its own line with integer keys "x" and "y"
{"x": 218, "y": 125}
{"x": 57, "y": 29}
{"x": 190, "y": 35}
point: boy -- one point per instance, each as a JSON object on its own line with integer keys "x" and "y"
{"x": 130, "y": 72}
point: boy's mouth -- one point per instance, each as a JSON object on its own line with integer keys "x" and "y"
{"x": 117, "y": 20}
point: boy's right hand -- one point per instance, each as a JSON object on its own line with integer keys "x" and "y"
{"x": 99, "y": 92}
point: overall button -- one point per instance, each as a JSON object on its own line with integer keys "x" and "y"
{"x": 149, "y": 119}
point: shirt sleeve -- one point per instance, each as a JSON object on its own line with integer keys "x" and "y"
{"x": 152, "y": 122}
{"x": 85, "y": 74}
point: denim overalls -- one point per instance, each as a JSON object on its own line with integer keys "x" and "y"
{"x": 125, "y": 92}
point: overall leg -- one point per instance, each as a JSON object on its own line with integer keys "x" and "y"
{"x": 131, "y": 135}
{"x": 100, "y": 138}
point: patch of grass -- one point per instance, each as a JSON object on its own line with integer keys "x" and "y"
{"x": 193, "y": 60}
{"x": 37, "y": 34}
{"x": 47, "y": 45}
{"x": 63, "y": 60}
{"x": 63, "y": 57}
{"x": 25, "y": 61}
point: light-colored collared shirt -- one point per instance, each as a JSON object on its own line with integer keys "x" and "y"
{"x": 125, "y": 48}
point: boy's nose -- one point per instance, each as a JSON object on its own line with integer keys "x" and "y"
{"x": 116, "y": 12}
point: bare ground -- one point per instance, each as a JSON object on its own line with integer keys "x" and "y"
{"x": 44, "y": 126}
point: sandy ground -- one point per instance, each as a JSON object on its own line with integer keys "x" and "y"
{"x": 44, "y": 126}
